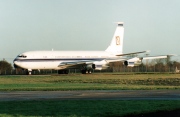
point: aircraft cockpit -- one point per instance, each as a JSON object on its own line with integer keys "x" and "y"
{"x": 22, "y": 56}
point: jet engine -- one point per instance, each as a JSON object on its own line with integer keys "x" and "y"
{"x": 96, "y": 66}
{"x": 133, "y": 62}
{"x": 102, "y": 67}
{"x": 90, "y": 66}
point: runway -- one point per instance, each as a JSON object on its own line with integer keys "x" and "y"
{"x": 91, "y": 95}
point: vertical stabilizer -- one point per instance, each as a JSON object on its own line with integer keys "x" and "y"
{"x": 116, "y": 46}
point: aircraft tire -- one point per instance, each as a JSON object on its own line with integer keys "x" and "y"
{"x": 89, "y": 71}
{"x": 83, "y": 71}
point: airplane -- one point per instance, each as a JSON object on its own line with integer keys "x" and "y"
{"x": 86, "y": 61}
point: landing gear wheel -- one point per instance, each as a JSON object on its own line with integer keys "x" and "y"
{"x": 86, "y": 71}
{"x": 28, "y": 72}
{"x": 83, "y": 71}
{"x": 89, "y": 72}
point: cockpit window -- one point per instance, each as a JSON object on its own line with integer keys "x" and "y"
{"x": 23, "y": 56}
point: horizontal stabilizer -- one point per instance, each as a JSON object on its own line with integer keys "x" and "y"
{"x": 132, "y": 53}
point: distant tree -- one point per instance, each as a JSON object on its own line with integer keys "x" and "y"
{"x": 5, "y": 66}
{"x": 115, "y": 66}
{"x": 176, "y": 64}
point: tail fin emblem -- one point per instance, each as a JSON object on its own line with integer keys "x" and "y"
{"x": 117, "y": 40}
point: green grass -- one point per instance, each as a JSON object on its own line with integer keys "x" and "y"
{"x": 86, "y": 108}
{"x": 90, "y": 82}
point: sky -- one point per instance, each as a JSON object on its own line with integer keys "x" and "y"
{"x": 27, "y": 25}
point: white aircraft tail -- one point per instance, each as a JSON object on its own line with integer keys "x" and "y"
{"x": 116, "y": 46}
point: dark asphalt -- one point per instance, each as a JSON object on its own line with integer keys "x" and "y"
{"x": 91, "y": 95}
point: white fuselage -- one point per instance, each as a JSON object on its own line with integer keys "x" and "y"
{"x": 52, "y": 59}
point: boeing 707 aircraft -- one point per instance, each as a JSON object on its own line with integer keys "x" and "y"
{"x": 86, "y": 61}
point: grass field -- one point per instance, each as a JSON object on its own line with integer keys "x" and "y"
{"x": 90, "y": 108}
{"x": 90, "y": 82}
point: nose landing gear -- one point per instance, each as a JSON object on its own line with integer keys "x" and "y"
{"x": 29, "y": 72}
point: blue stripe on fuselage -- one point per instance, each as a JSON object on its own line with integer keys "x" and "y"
{"x": 59, "y": 59}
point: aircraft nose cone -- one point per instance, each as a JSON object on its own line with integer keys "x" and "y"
{"x": 15, "y": 64}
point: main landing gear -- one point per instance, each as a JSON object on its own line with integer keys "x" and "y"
{"x": 86, "y": 71}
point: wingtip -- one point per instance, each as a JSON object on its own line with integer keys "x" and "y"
{"x": 172, "y": 55}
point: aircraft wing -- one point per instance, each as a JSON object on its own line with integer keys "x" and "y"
{"x": 74, "y": 64}
{"x": 79, "y": 64}
{"x": 115, "y": 60}
{"x": 139, "y": 58}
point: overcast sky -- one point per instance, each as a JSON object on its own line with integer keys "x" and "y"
{"x": 27, "y": 25}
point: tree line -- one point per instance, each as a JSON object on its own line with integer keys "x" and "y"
{"x": 5, "y": 66}
{"x": 156, "y": 65}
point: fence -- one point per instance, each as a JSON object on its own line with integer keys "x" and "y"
{"x": 144, "y": 69}
{"x": 112, "y": 69}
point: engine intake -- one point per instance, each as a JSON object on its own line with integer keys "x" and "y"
{"x": 91, "y": 66}
{"x": 133, "y": 62}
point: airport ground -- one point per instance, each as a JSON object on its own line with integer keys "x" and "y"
{"x": 135, "y": 84}
{"x": 89, "y": 82}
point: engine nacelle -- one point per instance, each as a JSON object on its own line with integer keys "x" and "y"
{"x": 90, "y": 66}
{"x": 96, "y": 67}
{"x": 101, "y": 67}
{"x": 133, "y": 62}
